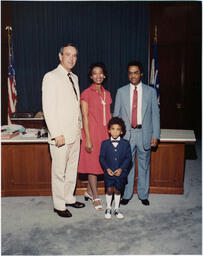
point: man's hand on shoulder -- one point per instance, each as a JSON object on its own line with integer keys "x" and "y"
{"x": 60, "y": 141}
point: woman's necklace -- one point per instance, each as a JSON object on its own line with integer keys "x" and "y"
{"x": 103, "y": 101}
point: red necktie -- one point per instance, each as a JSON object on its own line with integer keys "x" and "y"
{"x": 134, "y": 109}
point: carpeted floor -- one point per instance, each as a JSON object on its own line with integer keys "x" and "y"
{"x": 170, "y": 225}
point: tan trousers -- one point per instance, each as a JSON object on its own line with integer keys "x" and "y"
{"x": 64, "y": 173}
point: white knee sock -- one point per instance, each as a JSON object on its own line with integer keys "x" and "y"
{"x": 108, "y": 201}
{"x": 117, "y": 200}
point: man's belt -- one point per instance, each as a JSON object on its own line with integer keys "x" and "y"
{"x": 139, "y": 126}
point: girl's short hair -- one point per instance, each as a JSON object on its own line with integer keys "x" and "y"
{"x": 119, "y": 121}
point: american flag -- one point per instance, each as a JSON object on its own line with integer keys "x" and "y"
{"x": 12, "y": 93}
{"x": 154, "y": 79}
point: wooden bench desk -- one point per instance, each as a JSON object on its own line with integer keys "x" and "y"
{"x": 26, "y": 166}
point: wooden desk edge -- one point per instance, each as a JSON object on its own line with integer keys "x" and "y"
{"x": 12, "y": 141}
{"x": 178, "y": 140}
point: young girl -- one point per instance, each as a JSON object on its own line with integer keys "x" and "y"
{"x": 95, "y": 105}
{"x": 115, "y": 158}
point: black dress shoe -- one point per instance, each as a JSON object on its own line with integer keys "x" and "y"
{"x": 145, "y": 201}
{"x": 65, "y": 213}
{"x": 124, "y": 201}
{"x": 76, "y": 205}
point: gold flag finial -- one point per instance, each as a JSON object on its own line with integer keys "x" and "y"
{"x": 9, "y": 28}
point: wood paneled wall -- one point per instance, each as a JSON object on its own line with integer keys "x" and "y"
{"x": 179, "y": 54}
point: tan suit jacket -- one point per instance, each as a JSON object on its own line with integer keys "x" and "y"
{"x": 60, "y": 106}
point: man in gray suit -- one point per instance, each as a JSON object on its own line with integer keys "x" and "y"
{"x": 136, "y": 103}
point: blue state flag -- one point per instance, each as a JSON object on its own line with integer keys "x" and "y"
{"x": 154, "y": 79}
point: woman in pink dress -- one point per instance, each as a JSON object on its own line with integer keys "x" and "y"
{"x": 95, "y": 106}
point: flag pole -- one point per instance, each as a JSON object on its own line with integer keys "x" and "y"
{"x": 155, "y": 33}
{"x": 9, "y": 29}
{"x": 154, "y": 79}
{"x": 12, "y": 93}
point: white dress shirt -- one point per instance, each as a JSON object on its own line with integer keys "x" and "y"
{"x": 114, "y": 143}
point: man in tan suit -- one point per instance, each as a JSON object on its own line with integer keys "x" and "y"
{"x": 61, "y": 107}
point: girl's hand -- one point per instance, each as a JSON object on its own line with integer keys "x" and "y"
{"x": 88, "y": 146}
{"x": 118, "y": 172}
{"x": 109, "y": 171}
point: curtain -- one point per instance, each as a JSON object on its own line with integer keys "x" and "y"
{"x": 111, "y": 32}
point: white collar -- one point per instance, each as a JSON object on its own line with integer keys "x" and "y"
{"x": 64, "y": 70}
{"x": 138, "y": 86}
{"x": 118, "y": 139}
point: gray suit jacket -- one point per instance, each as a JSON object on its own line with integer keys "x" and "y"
{"x": 150, "y": 113}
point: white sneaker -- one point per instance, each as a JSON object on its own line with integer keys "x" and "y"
{"x": 118, "y": 214}
{"x": 107, "y": 214}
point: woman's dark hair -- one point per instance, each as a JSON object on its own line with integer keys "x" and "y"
{"x": 97, "y": 64}
{"x": 119, "y": 121}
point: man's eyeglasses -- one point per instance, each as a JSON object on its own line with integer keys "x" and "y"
{"x": 134, "y": 73}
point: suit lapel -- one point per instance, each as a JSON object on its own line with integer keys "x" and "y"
{"x": 119, "y": 144}
{"x": 62, "y": 76}
{"x": 144, "y": 100}
{"x": 127, "y": 101}
{"x": 111, "y": 147}
{"x": 65, "y": 81}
